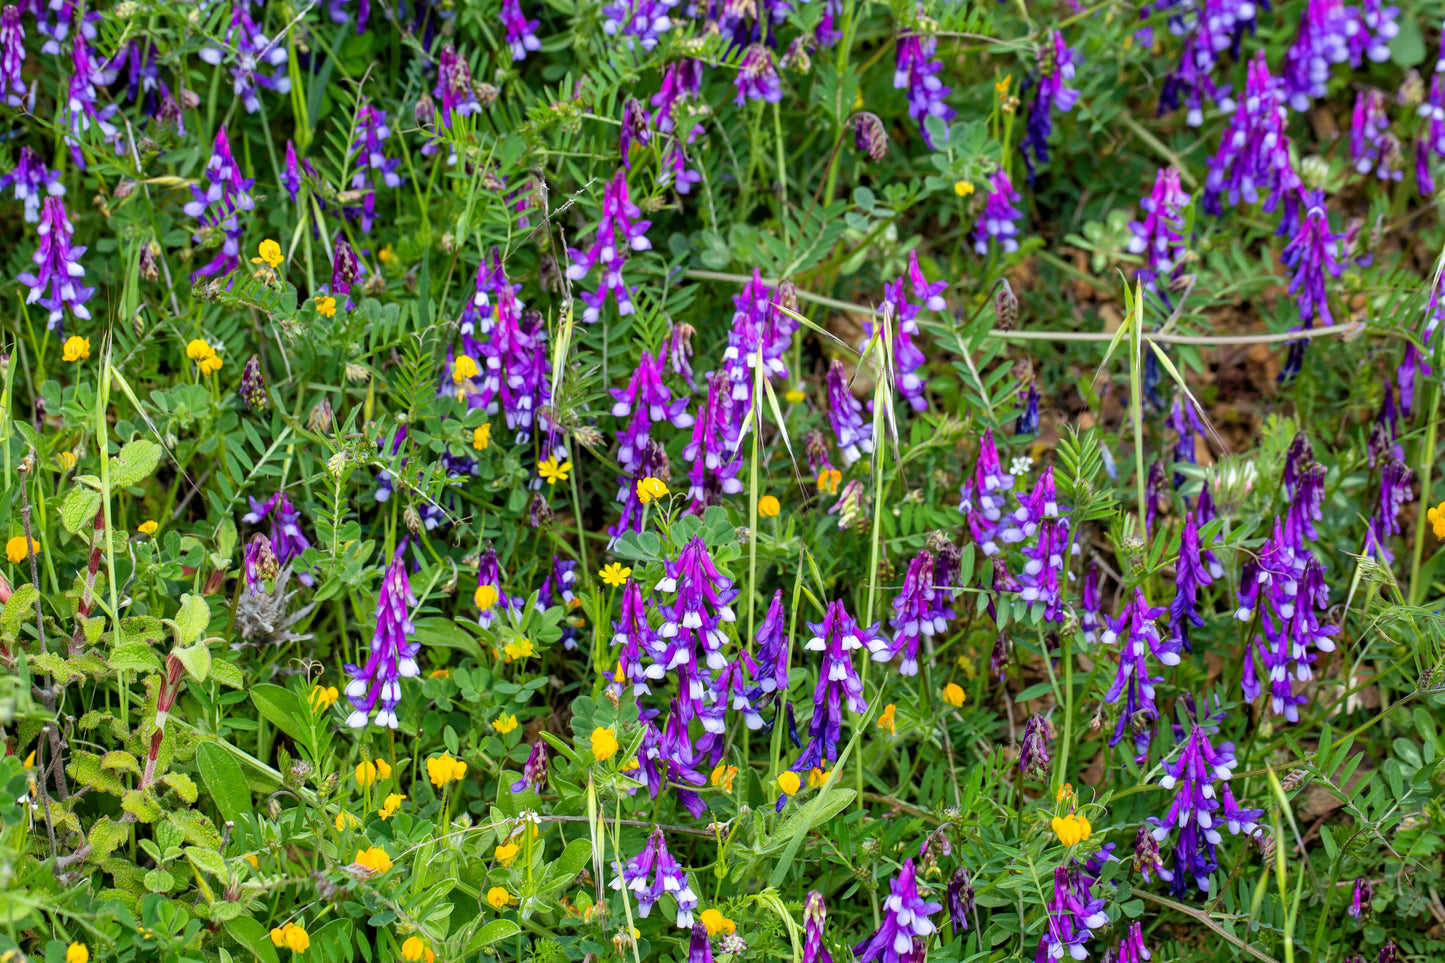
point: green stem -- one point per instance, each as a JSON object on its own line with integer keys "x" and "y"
{"x": 1427, "y": 466}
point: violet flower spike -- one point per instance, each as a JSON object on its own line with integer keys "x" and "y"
{"x": 521, "y": 32}
{"x": 1074, "y": 913}
{"x": 996, "y": 224}
{"x": 261, "y": 564}
{"x": 653, "y": 873}
{"x": 1138, "y": 639}
{"x": 920, "y": 609}
{"x": 641, "y": 22}
{"x": 252, "y": 52}
{"x": 1160, "y": 237}
{"x": 393, "y": 653}
{"x": 12, "y": 62}
{"x": 838, "y": 636}
{"x": 621, "y": 230}
{"x": 757, "y": 77}
{"x": 917, "y": 72}
{"x": 1034, "y": 747}
{"x": 454, "y": 89}
{"x": 903, "y": 935}
{"x": 1372, "y": 146}
{"x": 845, "y": 413}
{"x": 815, "y": 917}
{"x": 534, "y": 772}
{"x": 1131, "y": 948}
{"x": 984, "y": 497}
{"x": 1313, "y": 255}
{"x": 372, "y": 164}
{"x": 1322, "y": 41}
{"x": 226, "y": 195}
{"x": 636, "y": 128}
{"x": 56, "y": 282}
{"x": 1056, "y": 64}
{"x": 1360, "y": 898}
{"x": 83, "y": 108}
{"x": 1253, "y": 154}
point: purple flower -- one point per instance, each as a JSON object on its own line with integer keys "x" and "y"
{"x": 1155, "y": 498}
{"x": 652, "y": 463}
{"x": 1146, "y": 857}
{"x": 261, "y": 564}
{"x": 1304, "y": 482}
{"x": 253, "y": 51}
{"x": 534, "y": 772}
{"x": 870, "y": 136}
{"x": 845, "y": 413}
{"x": 1034, "y": 747}
{"x": 1131, "y": 948}
{"x": 1361, "y": 897}
{"x": 521, "y": 32}
{"x": 680, "y": 81}
{"x": 291, "y": 177}
{"x": 12, "y": 59}
{"x": 639, "y": 21}
{"x": 644, "y": 402}
{"x": 637, "y": 662}
{"x": 286, "y": 536}
{"x": 774, "y": 651}
{"x": 1312, "y": 253}
{"x": 372, "y": 164}
{"x": 838, "y": 636}
{"x": 619, "y": 231}
{"x": 515, "y": 367}
{"x": 1160, "y": 238}
{"x": 489, "y": 575}
{"x": 815, "y": 916}
{"x": 757, "y": 77}
{"x": 216, "y": 207}
{"x": 919, "y": 610}
{"x": 1090, "y": 608}
{"x": 1208, "y": 32}
{"x": 1322, "y": 41}
{"x": 1074, "y": 913}
{"x": 917, "y": 72}
{"x": 337, "y": 10}
{"x": 1372, "y": 27}
{"x": 673, "y": 760}
{"x": 692, "y": 622}
{"x": 1253, "y": 154}
{"x": 983, "y": 497}
{"x": 907, "y": 357}
{"x": 699, "y": 946}
{"x": 679, "y": 352}
{"x": 960, "y": 899}
{"x": 715, "y": 448}
{"x": 1027, "y": 423}
{"x": 1190, "y": 573}
{"x": 1395, "y": 493}
{"x": 393, "y": 654}
{"x": 654, "y": 873}
{"x": 636, "y": 128}
{"x": 1138, "y": 638}
{"x": 1372, "y": 146}
{"x": 758, "y": 324}
{"x": 56, "y": 281}
{"x": 1199, "y": 776}
{"x": 1056, "y": 68}
{"x": 82, "y": 107}
{"x": 903, "y": 936}
{"x": 996, "y": 225}
{"x": 454, "y": 87}
{"x": 345, "y": 271}
{"x": 1043, "y": 524}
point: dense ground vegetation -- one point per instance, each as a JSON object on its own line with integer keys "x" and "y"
{"x": 722, "y": 481}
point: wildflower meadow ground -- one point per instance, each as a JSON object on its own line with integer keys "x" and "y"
{"x": 722, "y": 481}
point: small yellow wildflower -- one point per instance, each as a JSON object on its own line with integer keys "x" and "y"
{"x": 270, "y": 253}
{"x": 816, "y": 777}
{"x": 209, "y": 365}
{"x": 325, "y": 305}
{"x": 829, "y": 479}
{"x": 323, "y": 697}
{"x": 715, "y": 922}
{"x": 386, "y": 255}
{"x": 29, "y": 762}
{"x": 439, "y": 674}
{"x": 885, "y": 719}
{"x": 414, "y": 949}
{"x": 614, "y": 574}
{"x": 464, "y": 369}
{"x": 77, "y": 953}
{"x": 1001, "y": 87}
{"x": 148, "y": 527}
{"x": 199, "y": 349}
{"x": 553, "y": 472}
{"x": 789, "y": 782}
{"x": 444, "y": 769}
{"x": 505, "y": 853}
{"x": 963, "y": 188}
{"x": 1066, "y": 792}
{"x": 498, "y": 897}
{"x": 953, "y": 694}
{"x": 345, "y": 820}
{"x": 16, "y": 550}
{"x": 518, "y": 649}
{"x": 505, "y": 724}
{"x": 65, "y": 459}
{"x": 723, "y": 776}
{"x": 481, "y": 437}
{"x": 650, "y": 488}
{"x": 251, "y": 858}
{"x": 374, "y": 859}
{"x": 1436, "y": 516}
{"x": 1071, "y": 829}
{"x": 292, "y": 937}
{"x": 391, "y": 805}
{"x": 604, "y": 743}
{"x": 794, "y": 396}
{"x": 76, "y": 348}
{"x": 858, "y": 101}
{"x": 370, "y": 770}
{"x": 768, "y": 506}
{"x": 485, "y": 596}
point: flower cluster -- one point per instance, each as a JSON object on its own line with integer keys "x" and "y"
{"x": 252, "y": 52}
{"x": 920, "y": 609}
{"x": 1138, "y": 639}
{"x": 903, "y": 935}
{"x": 1159, "y": 238}
{"x": 653, "y": 874}
{"x": 227, "y": 195}
{"x": 393, "y": 652}
{"x": 997, "y": 226}
{"x": 620, "y": 231}
{"x": 983, "y": 497}
{"x": 917, "y": 72}
{"x": 838, "y": 636}
{"x": 372, "y": 164}
{"x": 1056, "y": 68}
{"x": 56, "y": 281}
{"x": 1074, "y": 914}
{"x": 1253, "y": 154}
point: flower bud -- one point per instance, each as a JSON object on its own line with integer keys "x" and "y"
{"x": 869, "y": 136}
{"x": 321, "y": 417}
{"x": 253, "y": 384}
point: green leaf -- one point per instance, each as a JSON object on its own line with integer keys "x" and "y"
{"x": 183, "y": 785}
{"x": 206, "y": 861}
{"x": 196, "y": 659}
{"x": 281, "y": 708}
{"x": 160, "y": 881}
{"x": 227, "y": 673}
{"x": 224, "y": 780}
{"x": 572, "y": 861}
{"x": 20, "y": 606}
{"x": 79, "y": 509}
{"x": 133, "y": 657}
{"x": 116, "y": 759}
{"x": 493, "y": 932}
{"x": 193, "y": 618}
{"x": 141, "y": 804}
{"x": 135, "y": 463}
{"x": 253, "y": 936}
{"x": 105, "y": 837}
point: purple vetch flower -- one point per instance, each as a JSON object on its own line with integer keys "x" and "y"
{"x": 774, "y": 652}
{"x": 1074, "y": 913}
{"x": 1199, "y": 776}
{"x": 286, "y": 536}
{"x": 521, "y": 32}
{"x": 636, "y": 128}
{"x": 478, "y": 315}
{"x": 1044, "y": 525}
{"x": 715, "y": 450}
{"x": 638, "y": 21}
{"x": 1027, "y": 422}
{"x": 920, "y": 609}
{"x": 815, "y": 916}
{"x": 1184, "y": 419}
{"x": 12, "y": 60}
{"x": 699, "y": 946}
{"x": 983, "y": 497}
{"x": 1372, "y": 146}
{"x": 1056, "y": 64}
{"x": 757, "y": 77}
{"x": 1190, "y": 574}
{"x": 393, "y": 653}
{"x": 1208, "y": 30}
{"x": 1160, "y": 237}
{"x": 1253, "y": 154}
{"x": 372, "y": 164}
{"x": 681, "y": 81}
{"x": 996, "y": 224}
{"x": 1395, "y": 493}
{"x": 838, "y": 636}
{"x": 637, "y": 661}
{"x": 261, "y": 564}
{"x": 1372, "y": 28}
{"x": 653, "y": 874}
{"x": 619, "y": 231}
{"x": 1131, "y": 948}
{"x": 253, "y": 52}
{"x": 534, "y": 772}
{"x": 1304, "y": 482}
{"x": 1091, "y": 610}
{"x": 903, "y": 935}
{"x": 1034, "y": 747}
{"x": 1361, "y": 897}
{"x": 291, "y": 177}
{"x": 489, "y": 577}
{"x": 515, "y": 367}
{"x": 339, "y": 12}
{"x": 674, "y": 760}
{"x": 758, "y": 325}
{"x": 226, "y": 195}
{"x": 1313, "y": 254}
{"x": 1138, "y": 638}
{"x": 83, "y": 109}
{"x": 1322, "y": 41}
{"x": 56, "y": 282}
{"x": 845, "y": 413}
{"x": 1155, "y": 497}
{"x": 917, "y": 72}
{"x": 960, "y": 899}
{"x": 701, "y": 601}
{"x": 870, "y": 136}
{"x": 1147, "y": 859}
{"x": 907, "y": 357}
{"x": 644, "y": 402}
{"x": 679, "y": 352}
{"x": 731, "y": 689}
{"x": 454, "y": 88}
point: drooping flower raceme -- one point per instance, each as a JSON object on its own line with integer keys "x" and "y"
{"x": 226, "y": 195}
{"x": 253, "y": 52}
{"x": 1044, "y": 527}
{"x": 653, "y": 874}
{"x": 377, "y": 685}
{"x": 638, "y": 21}
{"x": 917, "y": 72}
{"x": 691, "y": 629}
{"x": 454, "y": 88}
{"x": 644, "y": 402}
{"x": 619, "y": 232}
{"x": 287, "y": 538}
{"x": 56, "y": 283}
{"x": 1056, "y": 68}
{"x": 521, "y": 32}
{"x": 845, "y": 413}
{"x": 12, "y": 60}
{"x": 920, "y": 609}
{"x": 1074, "y": 914}
{"x": 1159, "y": 238}
{"x": 903, "y": 935}
{"x": 1313, "y": 254}
{"x": 815, "y": 916}
{"x": 774, "y": 653}
{"x": 1138, "y": 639}
{"x": 83, "y": 108}
{"x": 1322, "y": 41}
{"x": 372, "y": 164}
{"x": 1190, "y": 574}
{"x": 758, "y": 327}
{"x": 757, "y": 77}
{"x": 1208, "y": 31}
{"x": 1394, "y": 493}
{"x": 1372, "y": 146}
{"x": 838, "y": 636}
{"x": 996, "y": 224}
{"x": 715, "y": 451}
{"x": 983, "y": 497}
{"x": 1253, "y": 154}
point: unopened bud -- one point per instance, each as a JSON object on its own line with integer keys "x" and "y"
{"x": 321, "y": 417}
{"x": 1005, "y": 307}
{"x": 253, "y": 384}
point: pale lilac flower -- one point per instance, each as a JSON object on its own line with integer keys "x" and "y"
{"x": 920, "y": 609}
{"x": 845, "y": 413}
{"x": 226, "y": 195}
{"x": 715, "y": 450}
{"x": 903, "y": 935}
{"x": 838, "y": 636}
{"x": 638, "y": 21}
{"x": 56, "y": 282}
{"x": 917, "y": 72}
{"x": 1209, "y": 30}
{"x": 653, "y": 874}
{"x": 393, "y": 652}
{"x": 996, "y": 225}
{"x": 521, "y": 32}
{"x": 619, "y": 231}
{"x": 1160, "y": 237}
{"x": 253, "y": 52}
{"x": 1372, "y": 146}
{"x": 1372, "y": 28}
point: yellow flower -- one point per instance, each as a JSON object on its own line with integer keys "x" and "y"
{"x": 716, "y": 923}
{"x": 554, "y": 472}
{"x": 816, "y": 777}
{"x": 1001, "y": 87}
{"x": 828, "y": 480}
{"x": 723, "y": 776}
{"x": 604, "y": 743}
{"x": 148, "y": 527}
{"x": 209, "y": 365}
{"x": 76, "y": 349}
{"x": 29, "y": 762}
{"x": 505, "y": 853}
{"x": 251, "y": 858}
{"x": 368, "y": 771}
{"x": 963, "y": 188}
{"x": 768, "y": 506}
{"x": 1436, "y": 516}
{"x": 439, "y": 674}
{"x": 198, "y": 349}
{"x": 291, "y": 936}
{"x": 649, "y": 488}
{"x": 77, "y": 953}
{"x": 953, "y": 694}
{"x": 464, "y": 369}
{"x": 485, "y": 596}
{"x": 325, "y": 306}
{"x": 481, "y": 437}
{"x": 789, "y": 782}
{"x": 414, "y": 949}
{"x": 498, "y": 897}
{"x": 795, "y": 396}
{"x": 858, "y": 102}
{"x": 386, "y": 255}
{"x": 1071, "y": 829}
{"x": 1066, "y": 791}
{"x": 323, "y": 697}
{"x": 345, "y": 820}
{"x": 614, "y": 574}
{"x": 392, "y": 804}
{"x": 374, "y": 859}
{"x": 444, "y": 769}
{"x": 505, "y": 724}
{"x": 519, "y": 649}
{"x": 270, "y": 253}
{"x": 885, "y": 720}
{"x": 65, "y": 460}
{"x": 16, "y": 551}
